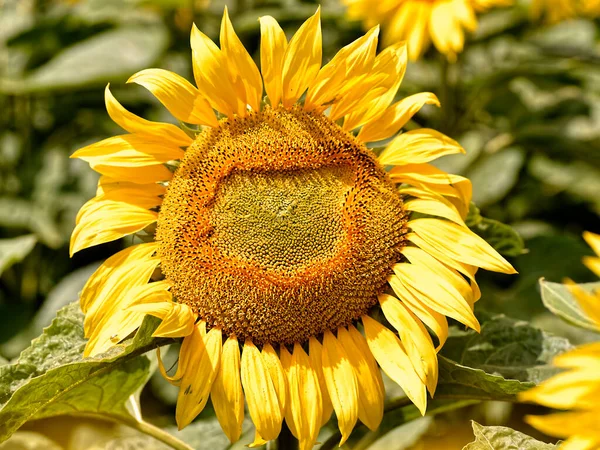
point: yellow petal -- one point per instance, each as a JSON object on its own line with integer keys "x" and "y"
{"x": 110, "y": 272}
{"x": 261, "y": 395}
{"x": 166, "y": 133}
{"x": 579, "y": 442}
{"x": 199, "y": 376}
{"x": 115, "y": 187}
{"x": 128, "y": 150}
{"x": 436, "y": 292}
{"x": 186, "y": 353}
{"x": 410, "y": 23}
{"x": 273, "y": 364}
{"x": 416, "y": 339}
{"x": 460, "y": 243}
{"x": 395, "y": 117}
{"x": 302, "y": 60}
{"x": 114, "y": 322}
{"x": 417, "y": 256}
{"x": 341, "y": 384}
{"x": 138, "y": 197}
{"x": 243, "y": 72}
{"x": 178, "y": 95}
{"x": 177, "y": 319}
{"x": 391, "y": 356}
{"x": 286, "y": 363}
{"x": 441, "y": 208}
{"x": 212, "y": 75}
{"x": 417, "y": 147}
{"x": 227, "y": 395}
{"x": 138, "y": 175}
{"x": 466, "y": 269}
{"x": 353, "y": 60}
{"x": 584, "y": 356}
{"x": 414, "y": 303}
{"x": 593, "y": 241}
{"x": 430, "y": 177}
{"x": 572, "y": 389}
{"x": 304, "y": 412}
{"x": 389, "y": 67}
{"x": 370, "y": 392}
{"x": 567, "y": 424}
{"x": 108, "y": 223}
{"x": 272, "y": 49}
{"x": 315, "y": 353}
{"x": 118, "y": 292}
{"x": 589, "y": 303}
{"x": 258, "y": 441}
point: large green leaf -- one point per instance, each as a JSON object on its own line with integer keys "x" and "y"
{"x": 558, "y": 298}
{"x": 499, "y": 235}
{"x": 462, "y": 382}
{"x": 110, "y": 55}
{"x": 503, "y": 438}
{"x": 14, "y": 250}
{"x": 507, "y": 357}
{"x": 507, "y": 347}
{"x": 490, "y": 184}
{"x": 52, "y": 378}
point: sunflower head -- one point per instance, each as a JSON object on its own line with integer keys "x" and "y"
{"x": 273, "y": 233}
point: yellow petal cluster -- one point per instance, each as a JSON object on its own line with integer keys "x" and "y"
{"x": 577, "y": 388}
{"x": 338, "y": 371}
{"x": 420, "y": 23}
{"x": 553, "y": 11}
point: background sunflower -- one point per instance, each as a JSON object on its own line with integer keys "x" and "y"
{"x": 522, "y": 98}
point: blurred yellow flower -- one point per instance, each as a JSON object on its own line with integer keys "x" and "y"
{"x": 554, "y": 11}
{"x": 272, "y": 232}
{"x": 577, "y": 389}
{"x": 420, "y": 22}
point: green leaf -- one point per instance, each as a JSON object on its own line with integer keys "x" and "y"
{"x": 462, "y": 382}
{"x": 502, "y": 237}
{"x": 15, "y": 250}
{"x": 503, "y": 438}
{"x": 51, "y": 377}
{"x": 507, "y": 357}
{"x": 110, "y": 55}
{"x": 507, "y": 347}
{"x": 495, "y": 175}
{"x": 558, "y": 298}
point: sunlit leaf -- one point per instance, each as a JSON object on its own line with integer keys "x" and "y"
{"x": 558, "y": 298}
{"x": 51, "y": 378}
{"x": 14, "y": 250}
{"x": 503, "y": 438}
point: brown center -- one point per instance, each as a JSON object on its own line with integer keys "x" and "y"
{"x": 279, "y": 226}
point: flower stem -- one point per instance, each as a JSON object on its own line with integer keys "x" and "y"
{"x": 157, "y": 433}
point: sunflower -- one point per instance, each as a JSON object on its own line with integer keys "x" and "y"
{"x": 555, "y": 11}
{"x": 577, "y": 389}
{"x": 419, "y": 22}
{"x": 271, "y": 233}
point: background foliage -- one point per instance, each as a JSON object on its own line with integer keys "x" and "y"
{"x": 523, "y": 99}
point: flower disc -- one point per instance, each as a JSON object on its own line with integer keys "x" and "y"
{"x": 279, "y": 226}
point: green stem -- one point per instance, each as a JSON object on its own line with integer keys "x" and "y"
{"x": 157, "y": 433}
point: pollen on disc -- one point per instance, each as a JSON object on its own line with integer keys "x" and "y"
{"x": 279, "y": 226}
